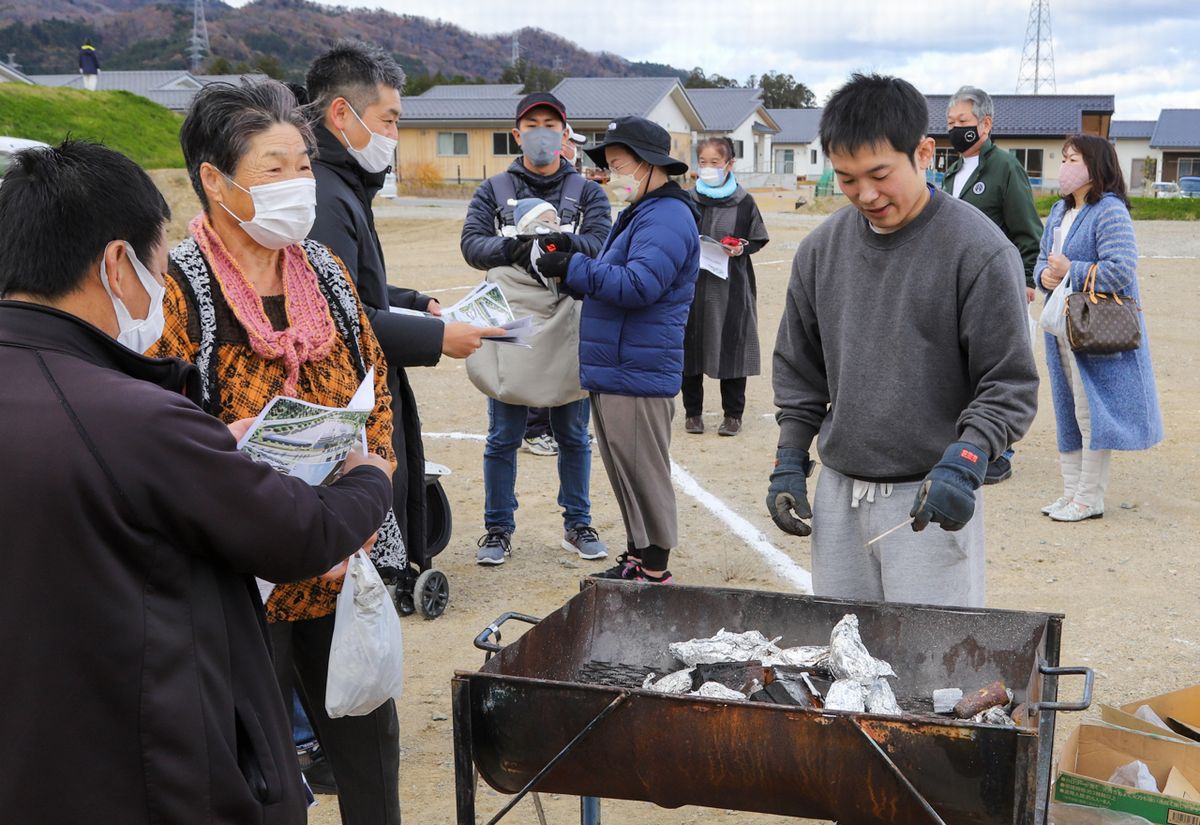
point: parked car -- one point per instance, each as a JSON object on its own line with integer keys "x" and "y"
{"x": 1165, "y": 189}
{"x": 1189, "y": 187}
{"x": 9, "y": 146}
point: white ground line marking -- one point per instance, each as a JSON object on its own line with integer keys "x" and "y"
{"x": 776, "y": 559}
{"x": 447, "y": 289}
{"x": 769, "y": 263}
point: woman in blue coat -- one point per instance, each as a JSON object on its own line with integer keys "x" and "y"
{"x": 636, "y": 296}
{"x": 1101, "y": 402}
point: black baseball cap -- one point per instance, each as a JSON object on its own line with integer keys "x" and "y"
{"x": 536, "y": 99}
{"x": 646, "y": 139}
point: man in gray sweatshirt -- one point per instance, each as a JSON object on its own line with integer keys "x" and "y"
{"x": 904, "y": 350}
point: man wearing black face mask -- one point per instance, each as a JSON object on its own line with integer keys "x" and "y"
{"x": 994, "y": 182}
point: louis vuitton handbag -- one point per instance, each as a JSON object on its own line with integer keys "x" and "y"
{"x": 1101, "y": 323}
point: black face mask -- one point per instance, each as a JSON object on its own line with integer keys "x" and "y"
{"x": 963, "y": 138}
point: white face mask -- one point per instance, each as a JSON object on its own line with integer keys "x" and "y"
{"x": 378, "y": 154}
{"x": 712, "y": 175}
{"x": 283, "y": 212}
{"x": 139, "y": 336}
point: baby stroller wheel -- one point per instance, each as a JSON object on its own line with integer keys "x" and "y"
{"x": 431, "y": 593}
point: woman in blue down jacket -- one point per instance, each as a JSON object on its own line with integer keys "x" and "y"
{"x": 636, "y": 297}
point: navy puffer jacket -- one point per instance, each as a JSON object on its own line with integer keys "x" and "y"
{"x": 636, "y": 298}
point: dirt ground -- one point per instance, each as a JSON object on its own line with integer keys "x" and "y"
{"x": 1124, "y": 582}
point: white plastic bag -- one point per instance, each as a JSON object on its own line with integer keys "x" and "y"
{"x": 366, "y": 657}
{"x": 1054, "y": 313}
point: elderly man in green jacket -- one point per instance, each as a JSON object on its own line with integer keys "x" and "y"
{"x": 994, "y": 182}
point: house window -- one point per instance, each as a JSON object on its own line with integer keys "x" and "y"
{"x": 812, "y": 160}
{"x": 452, "y": 143}
{"x": 943, "y": 159}
{"x": 739, "y": 148}
{"x": 503, "y": 143}
{"x": 1189, "y": 167}
{"x": 788, "y": 157}
{"x": 1030, "y": 160}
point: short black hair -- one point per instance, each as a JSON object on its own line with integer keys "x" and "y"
{"x": 224, "y": 117}
{"x": 354, "y": 70}
{"x": 872, "y": 110}
{"x": 61, "y": 206}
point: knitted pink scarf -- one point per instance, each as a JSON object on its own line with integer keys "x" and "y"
{"x": 310, "y": 331}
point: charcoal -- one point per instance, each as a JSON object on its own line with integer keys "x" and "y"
{"x": 734, "y": 675}
{"x": 846, "y": 694}
{"x": 848, "y": 656}
{"x": 725, "y": 647}
{"x": 777, "y": 693}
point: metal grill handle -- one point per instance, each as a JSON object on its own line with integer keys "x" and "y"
{"x": 493, "y": 630}
{"x": 1089, "y": 678}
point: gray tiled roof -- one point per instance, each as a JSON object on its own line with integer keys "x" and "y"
{"x": 796, "y": 125}
{"x": 12, "y": 75}
{"x": 605, "y": 98}
{"x": 235, "y": 79}
{"x": 458, "y": 108}
{"x": 1030, "y": 115}
{"x": 1177, "y": 129}
{"x": 138, "y": 82}
{"x": 474, "y": 91}
{"x": 1131, "y": 129}
{"x": 724, "y": 110}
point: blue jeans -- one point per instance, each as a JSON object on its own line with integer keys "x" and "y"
{"x": 506, "y": 428}
{"x": 302, "y": 732}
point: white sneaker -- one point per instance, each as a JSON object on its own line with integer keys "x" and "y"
{"x": 1074, "y": 511}
{"x": 542, "y": 445}
{"x": 1060, "y": 503}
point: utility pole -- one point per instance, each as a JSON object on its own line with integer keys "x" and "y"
{"x": 516, "y": 49}
{"x": 1037, "y": 57}
{"x": 199, "y": 47}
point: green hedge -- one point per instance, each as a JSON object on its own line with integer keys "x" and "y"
{"x": 1144, "y": 209}
{"x": 133, "y": 125}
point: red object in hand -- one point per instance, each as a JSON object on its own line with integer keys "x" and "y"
{"x": 551, "y": 247}
{"x": 729, "y": 240}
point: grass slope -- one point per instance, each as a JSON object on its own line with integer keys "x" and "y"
{"x": 133, "y": 125}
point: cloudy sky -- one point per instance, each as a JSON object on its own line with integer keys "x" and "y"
{"x": 1146, "y": 52}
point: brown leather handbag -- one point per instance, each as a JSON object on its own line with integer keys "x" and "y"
{"x": 1101, "y": 323}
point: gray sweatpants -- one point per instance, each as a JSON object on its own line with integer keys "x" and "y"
{"x": 634, "y": 436}
{"x": 930, "y": 567}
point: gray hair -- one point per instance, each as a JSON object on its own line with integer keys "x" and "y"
{"x": 981, "y": 101}
{"x": 223, "y": 119}
{"x": 354, "y": 70}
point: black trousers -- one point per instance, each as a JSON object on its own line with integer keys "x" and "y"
{"x": 363, "y": 751}
{"x": 733, "y": 396}
{"x": 537, "y": 422}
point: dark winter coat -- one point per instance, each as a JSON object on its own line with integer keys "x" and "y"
{"x": 483, "y": 248}
{"x": 346, "y": 224}
{"x": 721, "y": 339}
{"x": 138, "y": 685}
{"x": 89, "y": 60}
{"x": 636, "y": 297}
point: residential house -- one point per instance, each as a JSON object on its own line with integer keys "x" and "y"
{"x": 1140, "y": 163}
{"x": 173, "y": 89}
{"x": 796, "y": 148}
{"x": 738, "y": 114}
{"x": 1177, "y": 137}
{"x": 11, "y": 74}
{"x": 465, "y": 132}
{"x": 1032, "y": 127}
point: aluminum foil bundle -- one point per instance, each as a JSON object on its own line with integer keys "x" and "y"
{"x": 725, "y": 647}
{"x": 678, "y": 682}
{"x": 716, "y": 690}
{"x": 994, "y": 716}
{"x": 848, "y": 656}
{"x": 881, "y": 699}
{"x": 813, "y": 656}
{"x": 846, "y": 694}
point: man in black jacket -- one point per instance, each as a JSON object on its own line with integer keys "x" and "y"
{"x": 355, "y": 89}
{"x": 138, "y": 681}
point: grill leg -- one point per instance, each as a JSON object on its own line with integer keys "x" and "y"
{"x": 589, "y": 810}
{"x": 464, "y": 760}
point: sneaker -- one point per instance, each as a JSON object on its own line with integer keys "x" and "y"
{"x": 730, "y": 426}
{"x": 622, "y": 570}
{"x": 1057, "y": 504}
{"x": 495, "y": 547}
{"x": 694, "y": 424}
{"x": 542, "y": 445}
{"x": 585, "y": 541}
{"x": 998, "y": 470}
{"x": 319, "y": 774}
{"x": 1074, "y": 511}
{"x": 640, "y": 575}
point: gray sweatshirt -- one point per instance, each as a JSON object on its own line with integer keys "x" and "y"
{"x": 894, "y": 346}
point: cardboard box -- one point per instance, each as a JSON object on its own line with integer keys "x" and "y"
{"x": 1093, "y": 752}
{"x": 1181, "y": 707}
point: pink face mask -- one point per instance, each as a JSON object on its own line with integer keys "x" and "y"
{"x": 1072, "y": 176}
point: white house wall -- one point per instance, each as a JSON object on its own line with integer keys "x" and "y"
{"x": 1131, "y": 151}
{"x": 805, "y": 168}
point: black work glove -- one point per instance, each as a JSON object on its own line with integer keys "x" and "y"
{"x": 518, "y": 251}
{"x": 556, "y": 255}
{"x": 787, "y": 497}
{"x": 947, "y": 496}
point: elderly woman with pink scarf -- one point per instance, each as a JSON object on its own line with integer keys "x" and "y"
{"x": 261, "y": 311}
